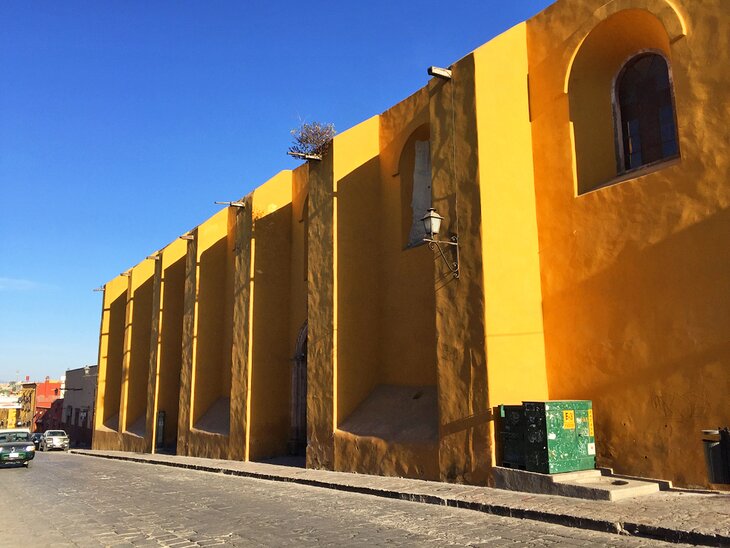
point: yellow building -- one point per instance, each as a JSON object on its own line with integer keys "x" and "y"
{"x": 9, "y": 412}
{"x": 26, "y": 414}
{"x": 579, "y": 161}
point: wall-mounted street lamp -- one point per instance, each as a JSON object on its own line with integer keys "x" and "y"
{"x": 432, "y": 226}
{"x": 187, "y": 237}
{"x": 235, "y": 203}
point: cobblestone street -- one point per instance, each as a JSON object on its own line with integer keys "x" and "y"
{"x": 71, "y": 500}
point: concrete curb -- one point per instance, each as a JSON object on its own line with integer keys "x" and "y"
{"x": 636, "y": 529}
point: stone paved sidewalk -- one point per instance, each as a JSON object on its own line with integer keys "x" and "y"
{"x": 674, "y": 516}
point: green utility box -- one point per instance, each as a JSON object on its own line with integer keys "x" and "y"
{"x": 548, "y": 436}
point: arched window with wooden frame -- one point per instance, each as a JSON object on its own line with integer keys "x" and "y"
{"x": 644, "y": 113}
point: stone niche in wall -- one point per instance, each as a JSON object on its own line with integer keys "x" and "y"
{"x": 393, "y": 432}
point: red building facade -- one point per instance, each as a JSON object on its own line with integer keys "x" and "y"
{"x": 48, "y": 406}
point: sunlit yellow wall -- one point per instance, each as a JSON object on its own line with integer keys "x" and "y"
{"x": 397, "y": 324}
{"x": 298, "y": 281}
{"x": 349, "y": 159}
{"x": 371, "y": 330}
{"x": 566, "y": 290}
{"x": 111, "y": 353}
{"x": 169, "y": 351}
{"x": 634, "y": 275}
{"x": 210, "y": 354}
{"x": 228, "y": 300}
{"x": 406, "y": 327}
{"x": 271, "y": 344}
{"x": 137, "y": 362}
{"x": 356, "y": 173}
{"x": 210, "y": 386}
{"x": 298, "y": 268}
{"x": 116, "y": 351}
{"x": 512, "y": 293}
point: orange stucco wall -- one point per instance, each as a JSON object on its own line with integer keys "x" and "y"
{"x": 111, "y": 353}
{"x": 116, "y": 358}
{"x": 136, "y": 367}
{"x": 512, "y": 292}
{"x": 634, "y": 275}
{"x": 211, "y": 354}
{"x": 575, "y": 281}
{"x": 298, "y": 259}
{"x": 271, "y": 344}
{"x": 406, "y": 325}
{"x": 165, "y": 378}
{"x": 356, "y": 268}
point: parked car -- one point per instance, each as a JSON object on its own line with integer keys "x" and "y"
{"x": 16, "y": 447}
{"x": 36, "y": 438}
{"x": 54, "y": 439}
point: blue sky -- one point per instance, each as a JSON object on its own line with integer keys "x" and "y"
{"x": 121, "y": 122}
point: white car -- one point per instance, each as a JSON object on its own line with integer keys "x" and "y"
{"x": 54, "y": 439}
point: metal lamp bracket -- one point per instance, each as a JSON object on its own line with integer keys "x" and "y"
{"x": 453, "y": 266}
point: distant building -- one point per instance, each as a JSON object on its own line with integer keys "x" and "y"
{"x": 78, "y": 404}
{"x": 9, "y": 411}
{"x": 9, "y": 388}
{"x": 49, "y": 418}
{"x": 38, "y": 411}
{"x": 27, "y": 406}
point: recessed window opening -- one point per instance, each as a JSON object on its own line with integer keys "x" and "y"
{"x": 414, "y": 168}
{"x": 421, "y": 197}
{"x": 645, "y": 117}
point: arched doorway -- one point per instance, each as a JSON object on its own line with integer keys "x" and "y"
{"x": 298, "y": 435}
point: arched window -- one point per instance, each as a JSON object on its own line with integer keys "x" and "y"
{"x": 646, "y": 128}
{"x": 414, "y": 168}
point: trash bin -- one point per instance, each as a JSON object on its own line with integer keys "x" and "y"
{"x": 717, "y": 455}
